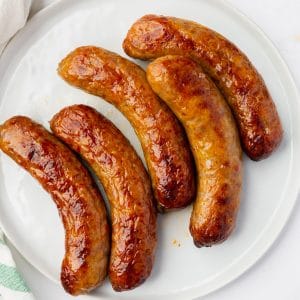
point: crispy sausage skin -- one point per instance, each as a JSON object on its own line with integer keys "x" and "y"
{"x": 124, "y": 84}
{"x": 244, "y": 89}
{"x": 127, "y": 187}
{"x": 213, "y": 136}
{"x": 79, "y": 202}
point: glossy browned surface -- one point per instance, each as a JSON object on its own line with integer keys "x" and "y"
{"x": 243, "y": 87}
{"x": 127, "y": 187}
{"x": 124, "y": 84}
{"x": 79, "y": 203}
{"x": 213, "y": 136}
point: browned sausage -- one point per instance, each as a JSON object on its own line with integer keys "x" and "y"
{"x": 124, "y": 84}
{"x": 243, "y": 87}
{"x": 79, "y": 203}
{"x": 127, "y": 187}
{"x": 213, "y": 136}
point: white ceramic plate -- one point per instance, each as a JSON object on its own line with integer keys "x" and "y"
{"x": 30, "y": 86}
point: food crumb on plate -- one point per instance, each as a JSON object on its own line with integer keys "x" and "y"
{"x": 176, "y": 243}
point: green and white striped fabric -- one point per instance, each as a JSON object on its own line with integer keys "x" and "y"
{"x": 12, "y": 285}
{"x": 13, "y": 16}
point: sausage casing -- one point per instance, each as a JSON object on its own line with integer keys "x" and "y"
{"x": 124, "y": 84}
{"x": 244, "y": 89}
{"x": 213, "y": 136}
{"x": 127, "y": 187}
{"x": 79, "y": 202}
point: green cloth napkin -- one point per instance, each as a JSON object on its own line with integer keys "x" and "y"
{"x": 12, "y": 285}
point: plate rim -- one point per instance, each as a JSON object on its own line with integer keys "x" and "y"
{"x": 258, "y": 249}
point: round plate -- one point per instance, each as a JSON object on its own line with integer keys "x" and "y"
{"x": 30, "y": 86}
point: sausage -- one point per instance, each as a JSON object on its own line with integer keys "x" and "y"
{"x": 79, "y": 202}
{"x": 214, "y": 139}
{"x": 123, "y": 84}
{"x": 242, "y": 86}
{"x": 127, "y": 187}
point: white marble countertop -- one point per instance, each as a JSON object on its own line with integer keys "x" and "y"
{"x": 276, "y": 275}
